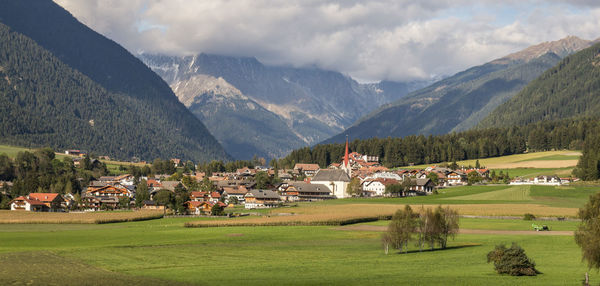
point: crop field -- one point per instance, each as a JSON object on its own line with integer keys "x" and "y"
{"x": 24, "y": 217}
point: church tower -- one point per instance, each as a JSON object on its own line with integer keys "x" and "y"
{"x": 346, "y": 164}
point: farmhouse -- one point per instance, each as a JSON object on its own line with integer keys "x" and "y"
{"x": 38, "y": 202}
{"x": 420, "y": 187}
{"x": 301, "y": 191}
{"x": 376, "y": 187}
{"x": 256, "y": 199}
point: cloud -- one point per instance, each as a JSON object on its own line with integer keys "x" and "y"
{"x": 369, "y": 40}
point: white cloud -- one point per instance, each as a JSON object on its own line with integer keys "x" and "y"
{"x": 370, "y": 40}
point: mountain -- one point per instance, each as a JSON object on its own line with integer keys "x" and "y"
{"x": 571, "y": 89}
{"x": 256, "y": 109}
{"x": 65, "y": 86}
{"x": 459, "y": 102}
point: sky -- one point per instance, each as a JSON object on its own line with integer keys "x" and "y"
{"x": 369, "y": 40}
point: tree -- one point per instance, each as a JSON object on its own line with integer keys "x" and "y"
{"x": 587, "y": 235}
{"x": 512, "y": 261}
{"x": 354, "y": 188}
{"x": 141, "y": 193}
{"x": 407, "y": 185}
{"x": 448, "y": 224}
{"x": 233, "y": 200}
{"x": 207, "y": 186}
{"x": 164, "y": 198}
{"x": 477, "y": 165}
{"x": 262, "y": 180}
{"x": 394, "y": 190}
{"x": 217, "y": 210}
{"x": 433, "y": 176}
{"x": 124, "y": 202}
{"x": 400, "y": 230}
{"x": 473, "y": 178}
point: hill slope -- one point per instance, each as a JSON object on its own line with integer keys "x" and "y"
{"x": 459, "y": 102}
{"x": 66, "y": 86}
{"x": 570, "y": 89}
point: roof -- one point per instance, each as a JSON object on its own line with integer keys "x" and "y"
{"x": 307, "y": 167}
{"x": 331, "y": 176}
{"x": 43, "y": 197}
{"x": 197, "y": 194}
{"x": 310, "y": 188}
{"x": 263, "y": 194}
{"x": 169, "y": 185}
{"x": 421, "y": 182}
{"x": 31, "y": 202}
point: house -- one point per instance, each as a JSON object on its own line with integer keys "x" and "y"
{"x": 301, "y": 191}
{"x": 26, "y": 204}
{"x": 199, "y": 208}
{"x": 109, "y": 191}
{"x": 336, "y": 180}
{"x": 455, "y": 178}
{"x": 376, "y": 187}
{"x": 198, "y": 196}
{"x": 308, "y": 170}
{"x": 256, "y": 199}
{"x": 176, "y": 162}
{"x": 152, "y": 205}
{"x": 214, "y": 197}
{"x": 39, "y": 202}
{"x": 420, "y": 187}
{"x": 234, "y": 192}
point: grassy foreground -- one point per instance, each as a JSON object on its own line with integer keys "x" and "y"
{"x": 162, "y": 252}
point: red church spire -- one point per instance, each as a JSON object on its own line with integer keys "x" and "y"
{"x": 346, "y": 160}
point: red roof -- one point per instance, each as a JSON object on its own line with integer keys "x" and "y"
{"x": 215, "y": 195}
{"x": 30, "y": 201}
{"x": 197, "y": 194}
{"x": 43, "y": 197}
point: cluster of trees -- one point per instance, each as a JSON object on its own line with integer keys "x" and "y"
{"x": 427, "y": 227}
{"x": 41, "y": 171}
{"x": 588, "y": 167}
{"x": 473, "y": 144}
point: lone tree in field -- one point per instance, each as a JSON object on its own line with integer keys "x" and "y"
{"x": 428, "y": 227}
{"x": 512, "y": 261}
{"x": 400, "y": 230}
{"x": 587, "y": 235}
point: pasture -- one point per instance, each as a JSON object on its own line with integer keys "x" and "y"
{"x": 162, "y": 252}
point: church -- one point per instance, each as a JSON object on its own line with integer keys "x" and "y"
{"x": 336, "y": 180}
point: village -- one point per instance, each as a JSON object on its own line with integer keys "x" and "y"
{"x": 357, "y": 175}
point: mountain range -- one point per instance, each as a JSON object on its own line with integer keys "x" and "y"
{"x": 257, "y": 109}
{"x": 65, "y": 86}
{"x": 461, "y": 101}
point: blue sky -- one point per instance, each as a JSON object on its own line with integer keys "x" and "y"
{"x": 368, "y": 40}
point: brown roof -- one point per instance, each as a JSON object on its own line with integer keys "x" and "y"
{"x": 43, "y": 197}
{"x": 307, "y": 167}
{"x": 331, "y": 175}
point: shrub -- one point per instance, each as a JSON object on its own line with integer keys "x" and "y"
{"x": 512, "y": 261}
{"x": 528, "y": 216}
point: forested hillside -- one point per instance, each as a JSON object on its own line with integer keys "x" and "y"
{"x": 65, "y": 86}
{"x": 459, "y": 102}
{"x": 570, "y": 89}
{"x": 473, "y": 144}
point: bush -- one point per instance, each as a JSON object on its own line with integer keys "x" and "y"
{"x": 528, "y": 216}
{"x": 512, "y": 261}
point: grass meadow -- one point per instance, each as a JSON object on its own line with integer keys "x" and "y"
{"x": 164, "y": 252}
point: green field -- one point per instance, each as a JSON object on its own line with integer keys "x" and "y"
{"x": 163, "y": 252}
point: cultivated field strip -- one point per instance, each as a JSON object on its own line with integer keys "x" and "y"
{"x": 12, "y": 217}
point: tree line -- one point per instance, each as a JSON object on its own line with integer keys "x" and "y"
{"x": 472, "y": 144}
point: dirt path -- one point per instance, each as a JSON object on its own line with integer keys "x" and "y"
{"x": 463, "y": 231}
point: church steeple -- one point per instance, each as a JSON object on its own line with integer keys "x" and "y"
{"x": 346, "y": 164}
{"x": 346, "y": 159}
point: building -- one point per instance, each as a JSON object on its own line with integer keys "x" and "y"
{"x": 301, "y": 191}
{"x": 335, "y": 180}
{"x": 376, "y": 187}
{"x": 257, "y": 199}
{"x": 308, "y": 170}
